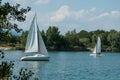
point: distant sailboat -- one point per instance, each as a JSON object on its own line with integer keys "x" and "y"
{"x": 97, "y": 49}
{"x": 35, "y": 44}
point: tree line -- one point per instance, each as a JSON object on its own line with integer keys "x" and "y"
{"x": 71, "y": 41}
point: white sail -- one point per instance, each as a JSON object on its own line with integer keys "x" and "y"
{"x": 97, "y": 48}
{"x": 34, "y": 40}
{"x": 41, "y": 45}
{"x": 98, "y": 45}
{"x": 35, "y": 44}
{"x": 94, "y": 51}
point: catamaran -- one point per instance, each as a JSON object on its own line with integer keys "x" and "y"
{"x": 35, "y": 48}
{"x": 97, "y": 49}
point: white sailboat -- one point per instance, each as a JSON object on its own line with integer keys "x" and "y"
{"x": 97, "y": 49}
{"x": 35, "y": 47}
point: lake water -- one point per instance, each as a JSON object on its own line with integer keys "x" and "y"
{"x": 70, "y": 66}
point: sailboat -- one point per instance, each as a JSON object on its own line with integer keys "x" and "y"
{"x": 35, "y": 48}
{"x": 97, "y": 49}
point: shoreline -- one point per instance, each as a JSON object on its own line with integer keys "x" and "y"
{"x": 12, "y": 48}
{"x": 5, "y": 48}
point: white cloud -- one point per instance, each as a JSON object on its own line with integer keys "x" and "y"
{"x": 83, "y": 15}
{"x": 93, "y": 9}
{"x": 83, "y": 19}
{"x": 60, "y": 14}
{"x": 107, "y": 16}
{"x": 115, "y": 13}
{"x": 42, "y": 1}
{"x": 104, "y": 15}
{"x": 64, "y": 12}
{"x": 78, "y": 14}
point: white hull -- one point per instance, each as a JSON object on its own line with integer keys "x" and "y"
{"x": 35, "y": 58}
{"x": 96, "y": 55}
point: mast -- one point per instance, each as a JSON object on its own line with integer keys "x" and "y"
{"x": 32, "y": 39}
{"x": 41, "y": 46}
{"x": 37, "y": 33}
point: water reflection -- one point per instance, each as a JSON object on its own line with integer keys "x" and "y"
{"x": 36, "y": 66}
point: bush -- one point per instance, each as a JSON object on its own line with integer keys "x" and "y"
{"x": 6, "y": 71}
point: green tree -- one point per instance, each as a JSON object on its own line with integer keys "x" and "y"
{"x": 6, "y": 71}
{"x": 84, "y": 37}
{"x": 44, "y": 37}
{"x": 24, "y": 74}
{"x": 11, "y": 12}
{"x": 23, "y": 37}
{"x": 83, "y": 34}
{"x": 6, "y": 68}
{"x": 8, "y": 14}
{"x": 53, "y": 37}
{"x": 72, "y": 38}
{"x": 114, "y": 39}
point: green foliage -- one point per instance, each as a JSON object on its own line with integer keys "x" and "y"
{"x": 53, "y": 37}
{"x": 11, "y": 12}
{"x": 7, "y": 14}
{"x": 83, "y": 34}
{"x": 6, "y": 69}
{"x": 70, "y": 41}
{"x": 114, "y": 39}
{"x": 23, "y": 37}
{"x": 72, "y": 38}
{"x": 1, "y": 54}
{"x": 43, "y": 34}
{"x": 36, "y": 78}
{"x": 94, "y": 38}
{"x": 24, "y": 74}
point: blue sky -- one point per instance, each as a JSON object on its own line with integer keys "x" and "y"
{"x": 72, "y": 14}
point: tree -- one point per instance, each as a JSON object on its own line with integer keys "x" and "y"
{"x": 6, "y": 68}
{"x": 84, "y": 37}
{"x": 6, "y": 71}
{"x": 72, "y": 38}
{"x": 44, "y": 37}
{"x": 7, "y": 13}
{"x": 11, "y": 12}
{"x": 23, "y": 37}
{"x": 114, "y": 39}
{"x": 83, "y": 34}
{"x": 53, "y": 37}
{"x": 24, "y": 74}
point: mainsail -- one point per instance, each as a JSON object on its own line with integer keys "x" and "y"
{"x": 97, "y": 48}
{"x": 34, "y": 40}
{"x": 99, "y": 45}
{"x": 94, "y": 50}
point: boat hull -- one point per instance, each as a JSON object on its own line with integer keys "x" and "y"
{"x": 33, "y": 58}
